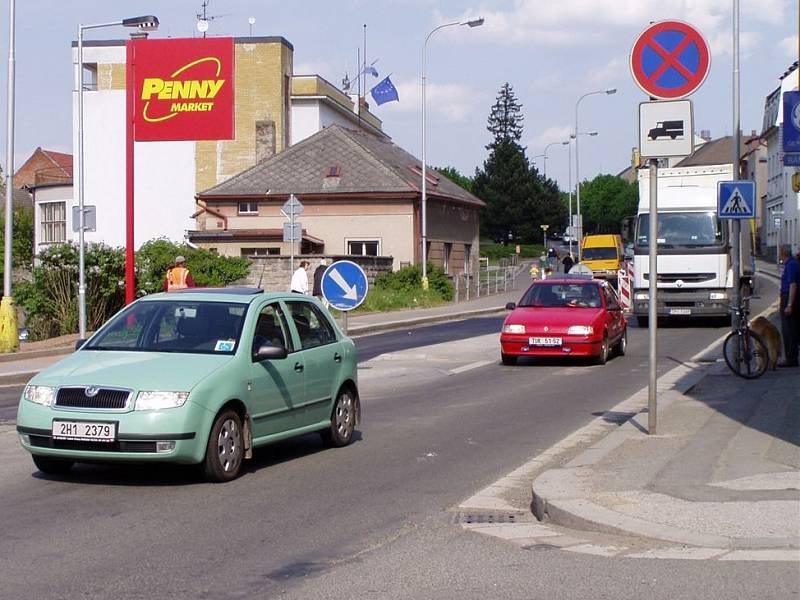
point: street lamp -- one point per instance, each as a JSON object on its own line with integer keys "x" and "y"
{"x": 8, "y": 314}
{"x": 569, "y": 182}
{"x": 608, "y": 91}
{"x": 423, "y": 209}
{"x": 546, "y": 148}
{"x": 145, "y": 23}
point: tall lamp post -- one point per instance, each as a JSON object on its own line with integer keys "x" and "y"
{"x": 9, "y": 338}
{"x": 577, "y": 164}
{"x": 546, "y": 148}
{"x": 423, "y": 208}
{"x": 145, "y": 23}
{"x": 569, "y": 182}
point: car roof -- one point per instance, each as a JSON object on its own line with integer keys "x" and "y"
{"x": 573, "y": 279}
{"x": 240, "y": 294}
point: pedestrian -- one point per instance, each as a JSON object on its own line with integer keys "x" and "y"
{"x": 552, "y": 259}
{"x": 318, "y": 273}
{"x": 790, "y": 307}
{"x": 178, "y": 276}
{"x": 299, "y": 284}
{"x": 568, "y": 262}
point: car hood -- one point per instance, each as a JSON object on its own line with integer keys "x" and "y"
{"x": 557, "y": 320}
{"x": 134, "y": 370}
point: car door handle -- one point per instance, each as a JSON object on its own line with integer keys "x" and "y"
{"x": 298, "y": 367}
{"x": 337, "y": 357}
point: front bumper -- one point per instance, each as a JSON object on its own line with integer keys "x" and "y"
{"x": 519, "y": 345}
{"x": 185, "y": 430}
{"x": 684, "y": 303}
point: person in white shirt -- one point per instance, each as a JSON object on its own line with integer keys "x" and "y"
{"x": 299, "y": 283}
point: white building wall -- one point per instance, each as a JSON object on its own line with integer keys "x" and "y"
{"x": 305, "y": 118}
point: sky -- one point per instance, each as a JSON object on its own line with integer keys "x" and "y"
{"x": 550, "y": 51}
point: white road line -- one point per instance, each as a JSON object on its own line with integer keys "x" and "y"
{"x": 470, "y": 366}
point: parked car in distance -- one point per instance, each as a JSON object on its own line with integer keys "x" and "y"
{"x": 572, "y": 315}
{"x": 603, "y": 254}
{"x": 197, "y": 377}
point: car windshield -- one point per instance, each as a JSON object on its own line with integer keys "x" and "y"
{"x": 558, "y": 295}
{"x": 599, "y": 254}
{"x": 682, "y": 229}
{"x": 173, "y": 326}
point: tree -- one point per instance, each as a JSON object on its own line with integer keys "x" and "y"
{"x": 518, "y": 199}
{"x": 453, "y": 175}
{"x": 605, "y": 201}
{"x": 22, "y": 231}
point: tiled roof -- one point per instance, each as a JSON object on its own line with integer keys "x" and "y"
{"x": 714, "y": 152}
{"x": 367, "y": 164}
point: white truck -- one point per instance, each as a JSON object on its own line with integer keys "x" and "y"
{"x": 695, "y": 275}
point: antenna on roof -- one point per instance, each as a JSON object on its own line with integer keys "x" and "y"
{"x": 204, "y": 19}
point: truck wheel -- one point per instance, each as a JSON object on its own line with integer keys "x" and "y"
{"x": 642, "y": 322}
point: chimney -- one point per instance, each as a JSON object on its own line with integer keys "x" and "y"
{"x": 705, "y": 134}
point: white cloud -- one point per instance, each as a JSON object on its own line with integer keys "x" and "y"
{"x": 585, "y": 22}
{"x": 614, "y": 70}
{"x": 551, "y": 135}
{"x": 788, "y": 46}
{"x": 454, "y": 102}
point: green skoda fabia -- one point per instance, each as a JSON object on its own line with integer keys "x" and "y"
{"x": 195, "y": 377}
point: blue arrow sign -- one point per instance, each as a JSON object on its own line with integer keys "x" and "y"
{"x": 344, "y": 285}
{"x": 736, "y": 199}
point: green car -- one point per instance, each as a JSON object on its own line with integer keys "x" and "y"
{"x": 201, "y": 377}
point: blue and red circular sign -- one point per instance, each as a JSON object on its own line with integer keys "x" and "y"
{"x": 670, "y": 60}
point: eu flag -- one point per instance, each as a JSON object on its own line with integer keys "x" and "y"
{"x": 384, "y": 92}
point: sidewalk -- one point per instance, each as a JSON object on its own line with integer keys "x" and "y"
{"x": 18, "y": 368}
{"x": 722, "y": 476}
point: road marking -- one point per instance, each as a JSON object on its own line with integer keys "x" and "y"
{"x": 469, "y": 367}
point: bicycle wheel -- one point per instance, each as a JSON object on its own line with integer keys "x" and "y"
{"x": 745, "y": 354}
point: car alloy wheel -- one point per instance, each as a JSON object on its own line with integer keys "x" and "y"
{"x": 343, "y": 420}
{"x": 229, "y": 445}
{"x": 225, "y": 449}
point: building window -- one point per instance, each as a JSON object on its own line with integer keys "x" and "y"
{"x": 248, "y": 208}
{"x": 467, "y": 258}
{"x": 259, "y": 252}
{"x": 363, "y": 247}
{"x": 448, "y": 248}
{"x": 89, "y": 77}
{"x": 54, "y": 222}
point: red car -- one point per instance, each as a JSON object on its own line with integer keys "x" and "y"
{"x": 567, "y": 316}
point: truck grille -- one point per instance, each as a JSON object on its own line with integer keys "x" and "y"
{"x": 685, "y": 277}
{"x": 92, "y": 397}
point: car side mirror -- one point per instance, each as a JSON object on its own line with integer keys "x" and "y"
{"x": 511, "y": 306}
{"x": 80, "y": 343}
{"x": 269, "y": 352}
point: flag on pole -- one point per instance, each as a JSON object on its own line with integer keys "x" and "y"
{"x": 384, "y": 92}
{"x": 370, "y": 70}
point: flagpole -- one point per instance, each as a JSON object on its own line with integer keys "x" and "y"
{"x": 358, "y": 96}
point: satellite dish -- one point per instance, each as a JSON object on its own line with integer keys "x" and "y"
{"x": 202, "y": 26}
{"x": 580, "y": 269}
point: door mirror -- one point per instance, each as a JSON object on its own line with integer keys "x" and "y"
{"x": 269, "y": 352}
{"x": 511, "y": 306}
{"x": 80, "y": 343}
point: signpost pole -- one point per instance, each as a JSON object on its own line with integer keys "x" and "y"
{"x": 130, "y": 275}
{"x": 736, "y": 299}
{"x": 652, "y": 305}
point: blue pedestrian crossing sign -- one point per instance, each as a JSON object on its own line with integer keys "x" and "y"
{"x": 736, "y": 199}
{"x": 344, "y": 285}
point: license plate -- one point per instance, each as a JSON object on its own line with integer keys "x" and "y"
{"x": 680, "y": 311}
{"x": 84, "y": 430}
{"x": 545, "y": 341}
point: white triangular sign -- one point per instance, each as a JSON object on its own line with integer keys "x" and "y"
{"x": 736, "y": 204}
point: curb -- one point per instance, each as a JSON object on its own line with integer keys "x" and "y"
{"x": 18, "y": 378}
{"x": 21, "y": 356}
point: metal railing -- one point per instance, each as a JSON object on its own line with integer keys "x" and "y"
{"x": 485, "y": 281}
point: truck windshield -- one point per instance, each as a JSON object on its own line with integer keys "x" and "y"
{"x": 690, "y": 229}
{"x": 599, "y": 254}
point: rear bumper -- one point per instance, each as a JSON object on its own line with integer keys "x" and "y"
{"x": 684, "y": 303}
{"x": 518, "y": 345}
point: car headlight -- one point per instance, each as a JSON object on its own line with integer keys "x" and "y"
{"x": 158, "y": 400}
{"x": 39, "y": 394}
{"x": 641, "y": 296}
{"x": 580, "y": 330}
{"x": 513, "y": 328}
{"x": 717, "y": 296}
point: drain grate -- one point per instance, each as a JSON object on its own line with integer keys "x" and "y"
{"x": 536, "y": 547}
{"x": 479, "y": 518}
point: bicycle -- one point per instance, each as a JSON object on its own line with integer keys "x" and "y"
{"x": 744, "y": 351}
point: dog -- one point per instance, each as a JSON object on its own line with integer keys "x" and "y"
{"x": 772, "y": 338}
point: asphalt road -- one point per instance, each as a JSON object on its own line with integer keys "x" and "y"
{"x": 366, "y": 521}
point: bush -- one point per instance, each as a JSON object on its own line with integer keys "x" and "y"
{"x": 494, "y": 252}
{"x": 409, "y": 279}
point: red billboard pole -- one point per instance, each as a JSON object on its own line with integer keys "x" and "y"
{"x": 130, "y": 270}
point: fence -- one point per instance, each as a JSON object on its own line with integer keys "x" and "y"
{"x": 487, "y": 280}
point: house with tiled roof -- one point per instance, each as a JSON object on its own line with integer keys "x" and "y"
{"x": 361, "y": 196}
{"x": 44, "y": 166}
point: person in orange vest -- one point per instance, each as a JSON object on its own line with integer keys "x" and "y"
{"x": 178, "y": 277}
